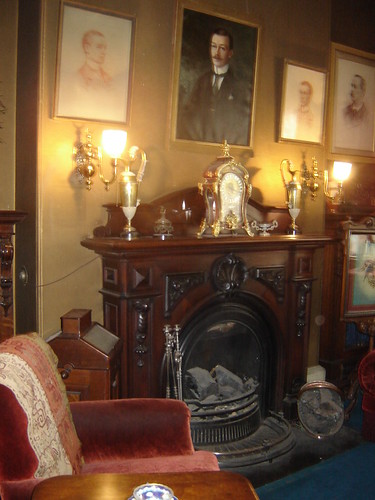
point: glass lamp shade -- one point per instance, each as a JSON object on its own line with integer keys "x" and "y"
{"x": 114, "y": 142}
{"x": 341, "y": 170}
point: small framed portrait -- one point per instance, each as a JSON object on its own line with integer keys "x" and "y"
{"x": 359, "y": 272}
{"x": 352, "y": 92}
{"x": 302, "y": 116}
{"x": 214, "y": 79}
{"x": 94, "y": 65}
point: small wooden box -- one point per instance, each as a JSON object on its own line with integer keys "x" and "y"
{"x": 75, "y": 322}
{"x": 89, "y": 357}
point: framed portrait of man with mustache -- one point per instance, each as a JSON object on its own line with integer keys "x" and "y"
{"x": 353, "y": 97}
{"x": 214, "y": 79}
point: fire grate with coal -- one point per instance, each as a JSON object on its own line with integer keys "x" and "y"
{"x": 222, "y": 364}
{"x": 224, "y": 408}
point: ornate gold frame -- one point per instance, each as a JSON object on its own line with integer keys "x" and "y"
{"x": 345, "y": 63}
{"x": 185, "y": 73}
{"x": 72, "y": 100}
{"x": 358, "y": 288}
{"x": 294, "y": 74}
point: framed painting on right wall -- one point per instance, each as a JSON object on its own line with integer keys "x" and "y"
{"x": 352, "y": 91}
{"x": 358, "y": 291}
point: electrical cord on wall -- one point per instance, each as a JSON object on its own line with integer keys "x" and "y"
{"x": 69, "y": 274}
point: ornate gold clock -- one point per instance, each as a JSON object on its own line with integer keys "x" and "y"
{"x": 226, "y": 189}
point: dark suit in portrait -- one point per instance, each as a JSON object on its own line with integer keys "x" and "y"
{"x": 212, "y": 116}
{"x": 355, "y": 116}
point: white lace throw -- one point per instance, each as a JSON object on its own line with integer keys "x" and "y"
{"x": 42, "y": 431}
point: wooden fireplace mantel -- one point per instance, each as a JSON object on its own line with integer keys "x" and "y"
{"x": 149, "y": 282}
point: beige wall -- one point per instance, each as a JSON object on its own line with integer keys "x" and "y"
{"x": 68, "y": 276}
{"x": 8, "y": 51}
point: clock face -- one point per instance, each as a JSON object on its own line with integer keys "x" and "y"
{"x": 226, "y": 190}
{"x": 231, "y": 194}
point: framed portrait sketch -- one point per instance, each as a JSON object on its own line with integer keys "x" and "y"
{"x": 94, "y": 65}
{"x": 359, "y": 272}
{"x": 214, "y": 79}
{"x": 353, "y": 98}
{"x": 303, "y": 104}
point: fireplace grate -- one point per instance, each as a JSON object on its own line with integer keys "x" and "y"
{"x": 272, "y": 439}
{"x": 224, "y": 423}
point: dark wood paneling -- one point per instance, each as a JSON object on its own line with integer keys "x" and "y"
{"x": 352, "y": 23}
{"x": 29, "y": 31}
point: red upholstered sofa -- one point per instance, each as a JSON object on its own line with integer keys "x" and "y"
{"x": 366, "y": 377}
{"x": 41, "y": 435}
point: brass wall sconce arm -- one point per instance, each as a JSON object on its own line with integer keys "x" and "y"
{"x": 310, "y": 178}
{"x": 88, "y": 160}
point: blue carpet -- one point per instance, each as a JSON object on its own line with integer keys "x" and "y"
{"x": 348, "y": 475}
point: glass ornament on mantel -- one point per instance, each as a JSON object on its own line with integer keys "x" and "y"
{"x": 163, "y": 227}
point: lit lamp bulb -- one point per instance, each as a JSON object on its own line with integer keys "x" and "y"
{"x": 340, "y": 172}
{"x": 114, "y": 142}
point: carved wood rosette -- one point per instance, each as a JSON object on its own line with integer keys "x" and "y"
{"x": 229, "y": 273}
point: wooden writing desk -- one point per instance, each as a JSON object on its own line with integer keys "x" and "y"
{"x": 186, "y": 486}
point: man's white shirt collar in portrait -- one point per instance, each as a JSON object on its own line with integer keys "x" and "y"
{"x": 222, "y": 70}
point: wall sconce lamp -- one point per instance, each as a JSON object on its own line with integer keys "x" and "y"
{"x": 308, "y": 178}
{"x": 340, "y": 172}
{"x": 88, "y": 160}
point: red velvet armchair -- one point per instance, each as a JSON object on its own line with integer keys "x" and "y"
{"x": 366, "y": 377}
{"x": 41, "y": 435}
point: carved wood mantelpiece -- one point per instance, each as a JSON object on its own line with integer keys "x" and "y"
{"x": 149, "y": 282}
{"x": 8, "y": 219}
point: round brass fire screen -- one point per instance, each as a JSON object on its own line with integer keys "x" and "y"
{"x": 321, "y": 408}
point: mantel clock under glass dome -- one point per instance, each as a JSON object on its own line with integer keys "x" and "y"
{"x": 226, "y": 190}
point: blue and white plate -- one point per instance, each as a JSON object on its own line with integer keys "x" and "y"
{"x": 153, "y": 491}
{"x": 133, "y": 498}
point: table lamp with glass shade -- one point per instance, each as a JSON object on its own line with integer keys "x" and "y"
{"x": 340, "y": 172}
{"x": 294, "y": 194}
{"x": 114, "y": 142}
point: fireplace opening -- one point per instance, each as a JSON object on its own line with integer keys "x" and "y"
{"x": 235, "y": 336}
{"x": 229, "y": 376}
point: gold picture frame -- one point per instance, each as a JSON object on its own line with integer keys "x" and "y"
{"x": 193, "y": 113}
{"x": 303, "y": 104}
{"x": 352, "y": 94}
{"x": 94, "y": 64}
{"x": 358, "y": 288}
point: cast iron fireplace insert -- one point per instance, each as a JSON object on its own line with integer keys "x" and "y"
{"x": 229, "y": 379}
